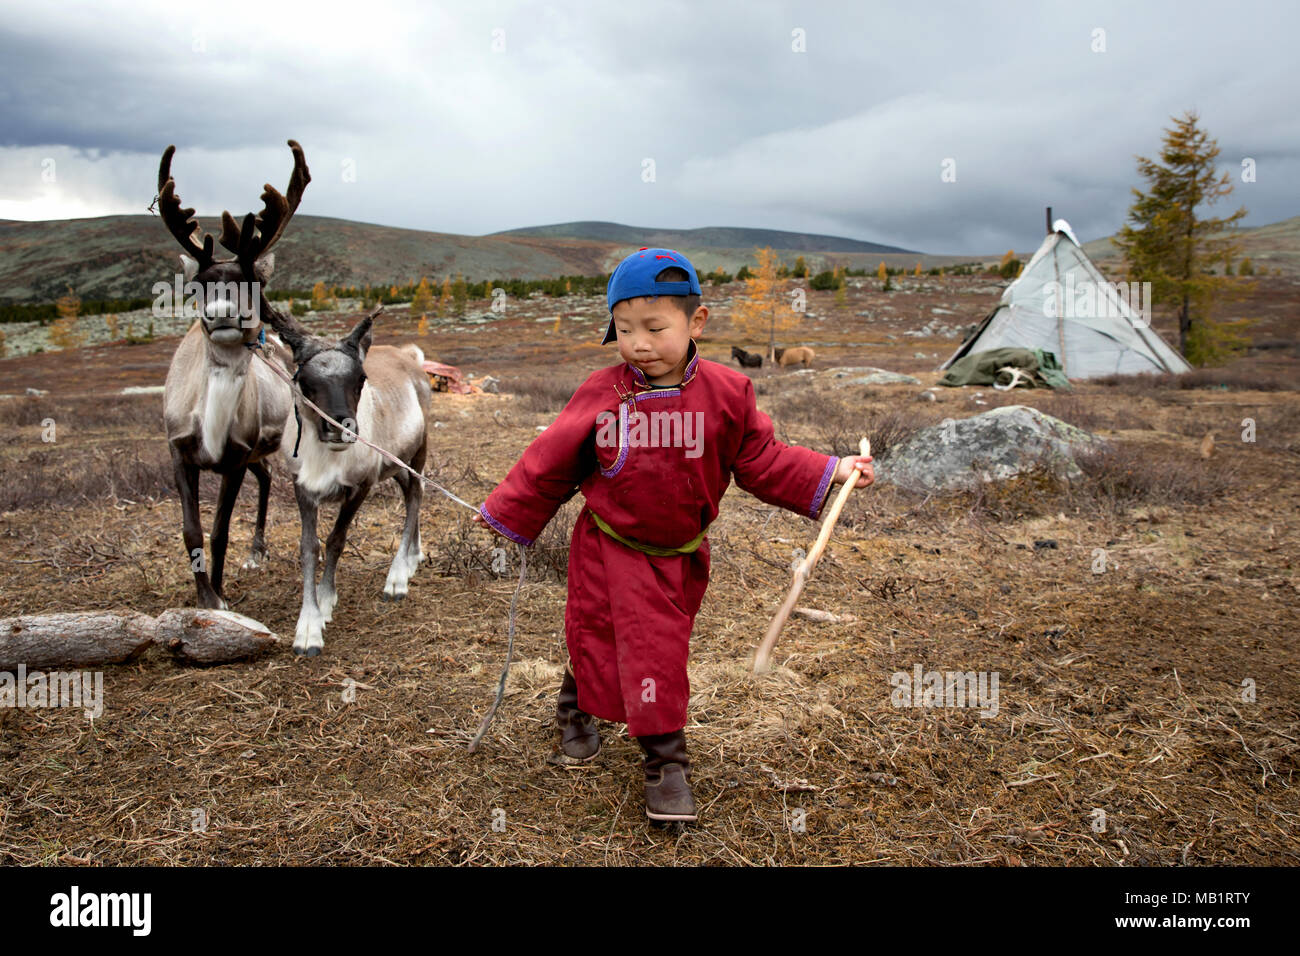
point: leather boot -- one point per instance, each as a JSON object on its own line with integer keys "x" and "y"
{"x": 579, "y": 738}
{"x": 667, "y": 778}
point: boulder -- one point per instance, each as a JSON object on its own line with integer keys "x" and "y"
{"x": 866, "y": 375}
{"x": 956, "y": 455}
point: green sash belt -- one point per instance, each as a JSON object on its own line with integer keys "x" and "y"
{"x": 658, "y": 552}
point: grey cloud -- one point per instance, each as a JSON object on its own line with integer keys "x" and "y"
{"x": 847, "y": 137}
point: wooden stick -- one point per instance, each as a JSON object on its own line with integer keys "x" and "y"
{"x": 763, "y": 655}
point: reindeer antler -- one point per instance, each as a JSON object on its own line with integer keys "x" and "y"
{"x": 181, "y": 222}
{"x": 260, "y": 233}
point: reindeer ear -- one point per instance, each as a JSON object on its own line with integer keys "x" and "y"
{"x": 359, "y": 338}
{"x": 189, "y": 266}
{"x": 263, "y": 268}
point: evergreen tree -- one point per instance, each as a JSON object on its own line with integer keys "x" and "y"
{"x": 459, "y": 294}
{"x": 1166, "y": 244}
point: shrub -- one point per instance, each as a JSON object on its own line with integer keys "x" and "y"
{"x": 1119, "y": 475}
{"x": 542, "y": 393}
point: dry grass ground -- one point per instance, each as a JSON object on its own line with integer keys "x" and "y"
{"x": 1119, "y": 691}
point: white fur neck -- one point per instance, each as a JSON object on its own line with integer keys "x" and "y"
{"x": 323, "y": 470}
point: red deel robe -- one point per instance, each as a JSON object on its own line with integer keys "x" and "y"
{"x": 629, "y": 614}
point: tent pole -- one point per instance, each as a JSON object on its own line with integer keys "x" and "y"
{"x": 1060, "y": 304}
{"x": 1049, "y": 220}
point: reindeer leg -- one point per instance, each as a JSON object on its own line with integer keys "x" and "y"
{"x": 407, "y": 558}
{"x": 258, "y": 553}
{"x": 187, "y": 483}
{"x": 230, "y": 484}
{"x": 326, "y": 594}
{"x": 416, "y": 556}
{"x": 308, "y": 638}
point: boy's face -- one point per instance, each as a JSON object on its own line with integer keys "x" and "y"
{"x": 655, "y": 336}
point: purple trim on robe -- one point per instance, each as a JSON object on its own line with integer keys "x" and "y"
{"x": 622, "y": 444}
{"x": 692, "y": 365}
{"x": 526, "y": 542}
{"x": 816, "y": 506}
{"x": 622, "y": 426}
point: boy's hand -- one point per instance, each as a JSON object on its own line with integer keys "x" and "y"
{"x": 478, "y": 519}
{"x": 859, "y": 465}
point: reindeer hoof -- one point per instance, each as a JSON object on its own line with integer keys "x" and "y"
{"x": 309, "y": 652}
{"x": 390, "y": 598}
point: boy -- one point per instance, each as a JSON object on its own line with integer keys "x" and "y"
{"x": 652, "y": 444}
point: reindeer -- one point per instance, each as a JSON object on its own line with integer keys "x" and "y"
{"x": 380, "y": 394}
{"x": 220, "y": 416}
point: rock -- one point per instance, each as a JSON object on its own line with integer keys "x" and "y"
{"x": 926, "y": 396}
{"x": 37, "y": 392}
{"x": 918, "y": 355}
{"x": 143, "y": 390}
{"x": 992, "y": 446}
{"x": 489, "y": 383}
{"x": 871, "y": 376}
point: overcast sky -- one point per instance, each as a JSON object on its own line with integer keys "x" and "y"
{"x": 475, "y": 117}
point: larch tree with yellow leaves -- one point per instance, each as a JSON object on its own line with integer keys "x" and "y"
{"x": 765, "y": 306}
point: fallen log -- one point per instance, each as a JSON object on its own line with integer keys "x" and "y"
{"x": 212, "y": 637}
{"x": 93, "y": 638}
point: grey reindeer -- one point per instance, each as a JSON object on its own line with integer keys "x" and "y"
{"x": 382, "y": 395}
{"x": 220, "y": 414}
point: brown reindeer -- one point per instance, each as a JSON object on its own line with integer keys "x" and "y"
{"x": 380, "y": 394}
{"x": 221, "y": 415}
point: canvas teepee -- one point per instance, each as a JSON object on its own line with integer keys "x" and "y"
{"x": 1063, "y": 305}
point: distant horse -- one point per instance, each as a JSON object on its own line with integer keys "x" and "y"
{"x": 746, "y": 359}
{"x": 802, "y": 355}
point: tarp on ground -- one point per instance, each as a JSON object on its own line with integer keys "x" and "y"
{"x": 990, "y": 368}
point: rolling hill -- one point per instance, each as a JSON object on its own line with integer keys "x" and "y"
{"x": 123, "y": 256}
{"x": 710, "y": 237}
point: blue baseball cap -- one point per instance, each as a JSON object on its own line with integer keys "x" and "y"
{"x": 635, "y": 276}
